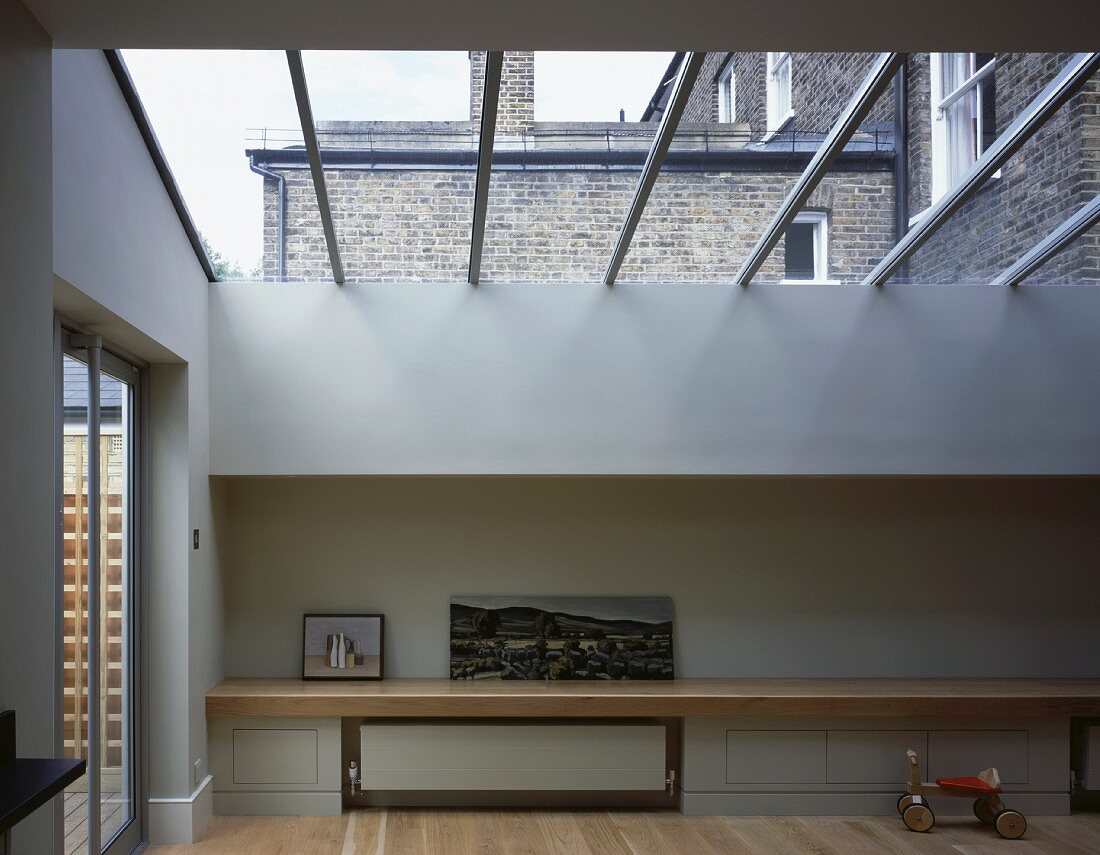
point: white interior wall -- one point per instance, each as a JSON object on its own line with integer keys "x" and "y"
{"x": 775, "y": 577}
{"x": 124, "y": 267}
{"x": 654, "y": 379}
{"x": 29, "y": 591}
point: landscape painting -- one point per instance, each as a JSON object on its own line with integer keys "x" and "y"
{"x": 561, "y": 638}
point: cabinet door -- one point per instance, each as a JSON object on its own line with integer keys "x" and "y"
{"x": 775, "y": 756}
{"x": 274, "y": 756}
{"x": 873, "y": 756}
{"x": 955, "y": 753}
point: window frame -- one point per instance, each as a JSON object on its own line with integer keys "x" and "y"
{"x": 775, "y": 61}
{"x": 943, "y": 166}
{"x": 727, "y": 95}
{"x": 820, "y": 222}
{"x": 132, "y": 372}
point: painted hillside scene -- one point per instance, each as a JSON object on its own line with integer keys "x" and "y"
{"x": 561, "y": 638}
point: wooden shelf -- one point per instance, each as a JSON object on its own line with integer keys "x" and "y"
{"x": 431, "y": 698}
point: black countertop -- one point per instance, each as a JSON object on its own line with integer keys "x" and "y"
{"x": 26, "y": 785}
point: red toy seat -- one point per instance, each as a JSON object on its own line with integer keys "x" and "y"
{"x": 967, "y": 786}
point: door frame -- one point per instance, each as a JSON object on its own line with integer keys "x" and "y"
{"x": 133, "y": 370}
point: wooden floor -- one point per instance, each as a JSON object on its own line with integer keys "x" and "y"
{"x": 494, "y": 832}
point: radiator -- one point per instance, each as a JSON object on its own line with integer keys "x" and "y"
{"x": 512, "y": 756}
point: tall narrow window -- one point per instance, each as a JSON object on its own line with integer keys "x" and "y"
{"x": 727, "y": 95}
{"x": 779, "y": 90}
{"x": 806, "y": 247}
{"x": 100, "y": 644}
{"x": 963, "y": 114}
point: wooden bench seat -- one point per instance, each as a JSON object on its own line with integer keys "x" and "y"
{"x": 431, "y": 698}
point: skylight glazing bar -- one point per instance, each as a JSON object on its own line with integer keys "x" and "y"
{"x": 494, "y": 61}
{"x": 1085, "y": 218}
{"x": 670, "y": 119}
{"x": 875, "y": 84}
{"x": 313, "y": 150}
{"x": 1063, "y": 87}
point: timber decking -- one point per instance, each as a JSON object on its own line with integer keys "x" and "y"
{"x": 426, "y": 698}
{"x": 112, "y": 814}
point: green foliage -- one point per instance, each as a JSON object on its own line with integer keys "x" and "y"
{"x": 226, "y": 271}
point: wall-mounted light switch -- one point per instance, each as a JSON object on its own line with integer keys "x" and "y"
{"x": 195, "y": 539}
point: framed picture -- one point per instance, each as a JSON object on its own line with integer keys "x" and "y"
{"x": 342, "y": 647}
{"x": 561, "y": 638}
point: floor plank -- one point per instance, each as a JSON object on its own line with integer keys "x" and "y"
{"x": 379, "y": 831}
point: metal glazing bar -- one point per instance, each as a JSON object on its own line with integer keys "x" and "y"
{"x": 313, "y": 150}
{"x": 1064, "y": 85}
{"x": 876, "y": 83}
{"x": 1086, "y": 217}
{"x": 494, "y": 62}
{"x": 670, "y": 119}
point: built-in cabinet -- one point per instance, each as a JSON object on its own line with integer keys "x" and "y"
{"x": 736, "y": 765}
{"x": 275, "y": 765}
{"x": 857, "y": 766}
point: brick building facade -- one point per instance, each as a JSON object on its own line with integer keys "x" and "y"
{"x": 402, "y": 193}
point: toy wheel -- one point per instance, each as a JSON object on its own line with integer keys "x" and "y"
{"x": 983, "y": 811}
{"x": 904, "y": 800}
{"x": 1010, "y": 824}
{"x": 919, "y": 818}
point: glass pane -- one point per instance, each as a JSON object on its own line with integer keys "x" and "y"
{"x": 221, "y": 115}
{"x": 115, "y": 699}
{"x": 399, "y": 148}
{"x": 573, "y": 131}
{"x": 116, "y": 677}
{"x": 723, "y": 183}
{"x": 1039, "y": 187}
{"x": 75, "y": 569}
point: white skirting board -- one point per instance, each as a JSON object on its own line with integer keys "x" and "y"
{"x": 181, "y": 821}
{"x": 491, "y": 756}
{"x": 277, "y": 804}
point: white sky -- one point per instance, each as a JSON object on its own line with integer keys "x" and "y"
{"x": 203, "y": 103}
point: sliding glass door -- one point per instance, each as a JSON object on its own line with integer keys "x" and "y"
{"x": 99, "y": 438}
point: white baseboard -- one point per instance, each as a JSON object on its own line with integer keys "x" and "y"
{"x": 182, "y": 821}
{"x": 853, "y": 804}
{"x": 278, "y": 804}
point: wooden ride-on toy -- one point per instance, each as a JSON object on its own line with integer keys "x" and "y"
{"x": 988, "y": 807}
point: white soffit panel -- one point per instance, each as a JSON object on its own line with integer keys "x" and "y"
{"x": 804, "y": 25}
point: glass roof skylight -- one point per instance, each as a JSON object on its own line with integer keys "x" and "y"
{"x": 396, "y": 143}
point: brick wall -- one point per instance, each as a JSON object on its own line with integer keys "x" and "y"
{"x": 822, "y": 84}
{"x": 516, "y": 105}
{"x": 920, "y": 132}
{"x": 702, "y": 106}
{"x": 560, "y": 225}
